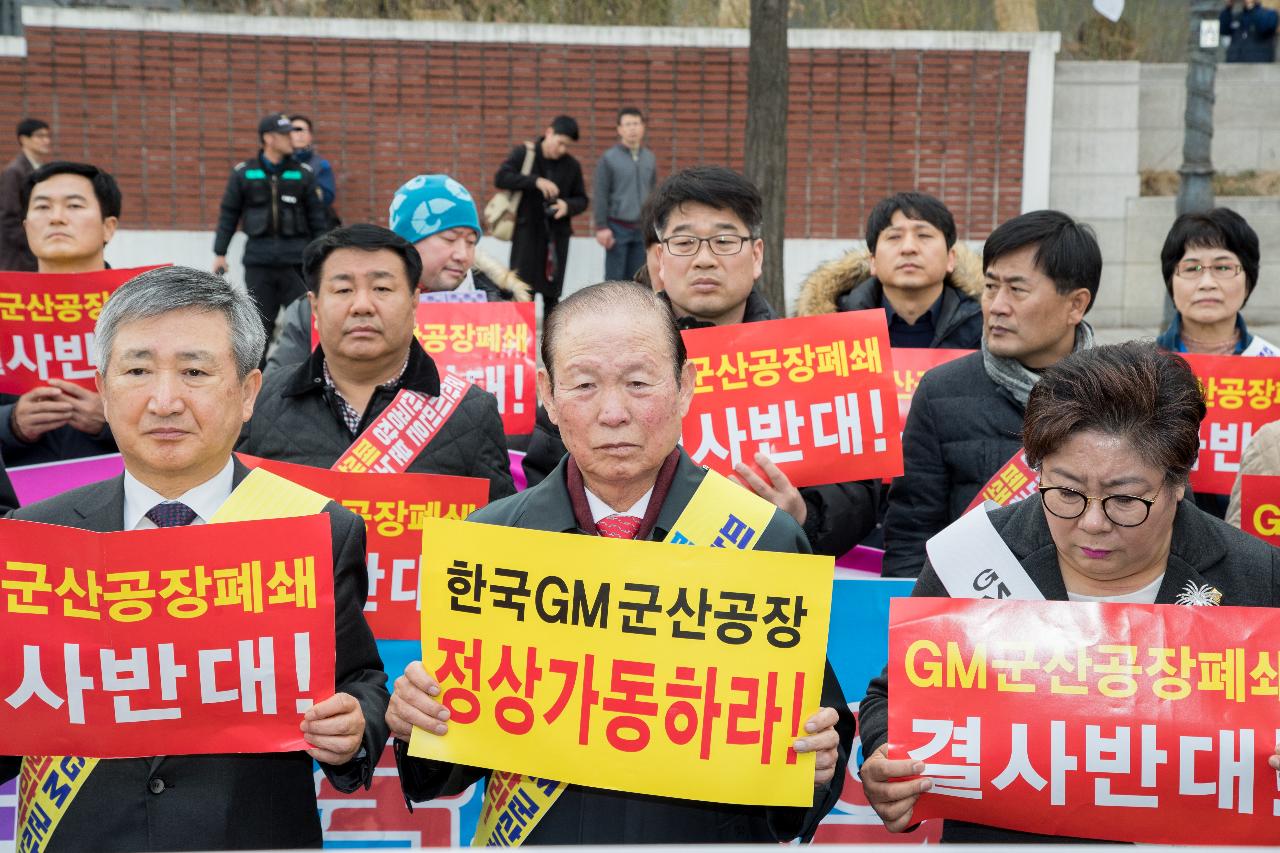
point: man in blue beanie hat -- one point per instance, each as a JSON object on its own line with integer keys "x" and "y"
{"x": 438, "y": 216}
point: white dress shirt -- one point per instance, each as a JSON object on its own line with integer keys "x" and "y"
{"x": 206, "y": 498}
{"x": 600, "y": 509}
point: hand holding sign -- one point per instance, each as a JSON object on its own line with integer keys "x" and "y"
{"x": 334, "y": 728}
{"x": 87, "y": 414}
{"x": 778, "y": 491}
{"x": 889, "y": 790}
{"x": 413, "y": 704}
{"x": 38, "y": 411}
{"x": 821, "y": 738}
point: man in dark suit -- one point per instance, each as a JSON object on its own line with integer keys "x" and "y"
{"x": 617, "y": 383}
{"x": 35, "y": 144}
{"x": 178, "y": 351}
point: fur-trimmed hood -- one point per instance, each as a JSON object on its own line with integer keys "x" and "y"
{"x": 826, "y": 284}
{"x": 503, "y": 277}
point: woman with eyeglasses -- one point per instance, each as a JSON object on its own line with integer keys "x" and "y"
{"x": 1113, "y": 432}
{"x": 1210, "y": 265}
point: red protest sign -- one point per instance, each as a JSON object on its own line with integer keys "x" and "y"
{"x": 910, "y": 364}
{"x": 1015, "y": 481}
{"x": 491, "y": 344}
{"x": 217, "y": 637}
{"x": 1241, "y": 394}
{"x": 1124, "y": 722}
{"x": 816, "y": 394}
{"x": 393, "y": 507}
{"x": 46, "y": 326}
{"x": 1260, "y": 507}
{"x": 396, "y": 437}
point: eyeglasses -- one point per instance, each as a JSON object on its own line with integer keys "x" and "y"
{"x": 684, "y": 245}
{"x": 296, "y": 129}
{"x": 1221, "y": 272}
{"x": 1122, "y": 510}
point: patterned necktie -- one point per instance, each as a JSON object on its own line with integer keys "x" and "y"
{"x": 619, "y": 526}
{"x": 171, "y": 514}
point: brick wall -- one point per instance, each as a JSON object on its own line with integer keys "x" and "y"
{"x": 169, "y": 112}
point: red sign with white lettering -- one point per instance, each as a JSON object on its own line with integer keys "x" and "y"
{"x": 1241, "y": 394}
{"x": 217, "y": 637}
{"x": 46, "y": 326}
{"x": 815, "y": 394}
{"x": 1123, "y": 722}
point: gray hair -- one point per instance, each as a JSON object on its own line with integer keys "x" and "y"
{"x": 167, "y": 289}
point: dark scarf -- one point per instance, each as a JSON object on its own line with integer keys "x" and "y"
{"x": 1011, "y": 375}
{"x": 582, "y": 510}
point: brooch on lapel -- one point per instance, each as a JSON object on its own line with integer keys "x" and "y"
{"x": 1199, "y": 596}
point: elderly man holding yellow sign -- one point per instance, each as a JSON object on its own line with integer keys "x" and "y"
{"x": 683, "y": 653}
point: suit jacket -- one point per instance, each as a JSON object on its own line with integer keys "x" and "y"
{"x": 226, "y": 802}
{"x": 1204, "y": 551}
{"x": 593, "y": 816}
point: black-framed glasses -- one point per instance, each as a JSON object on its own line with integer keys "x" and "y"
{"x": 298, "y": 129}
{"x": 1222, "y": 272}
{"x": 684, "y": 245}
{"x": 1121, "y": 510}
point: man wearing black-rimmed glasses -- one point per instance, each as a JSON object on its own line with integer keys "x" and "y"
{"x": 704, "y": 254}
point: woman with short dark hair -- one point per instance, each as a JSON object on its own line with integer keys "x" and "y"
{"x": 1210, "y": 265}
{"x": 1113, "y": 432}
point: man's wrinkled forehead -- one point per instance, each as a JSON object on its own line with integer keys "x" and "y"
{"x": 639, "y": 327}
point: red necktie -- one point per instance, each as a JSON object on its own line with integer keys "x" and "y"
{"x": 619, "y": 526}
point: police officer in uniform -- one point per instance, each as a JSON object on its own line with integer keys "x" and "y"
{"x": 277, "y": 202}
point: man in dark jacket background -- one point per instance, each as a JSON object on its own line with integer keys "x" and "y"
{"x": 276, "y": 201}
{"x": 302, "y": 137}
{"x": 551, "y": 194}
{"x": 35, "y": 144}
{"x": 913, "y": 268}
{"x": 1042, "y": 272}
{"x": 362, "y": 288}
{"x": 715, "y": 286}
{"x": 1251, "y": 28}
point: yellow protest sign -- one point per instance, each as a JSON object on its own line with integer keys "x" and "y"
{"x": 633, "y": 666}
{"x": 262, "y": 495}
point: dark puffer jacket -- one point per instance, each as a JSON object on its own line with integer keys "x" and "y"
{"x": 837, "y": 516}
{"x": 961, "y": 428}
{"x": 297, "y": 419}
{"x": 846, "y": 284}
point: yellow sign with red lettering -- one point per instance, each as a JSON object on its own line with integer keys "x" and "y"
{"x": 607, "y": 662}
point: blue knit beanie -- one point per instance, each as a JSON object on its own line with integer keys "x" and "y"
{"x": 429, "y": 204}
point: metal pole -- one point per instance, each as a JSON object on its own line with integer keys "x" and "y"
{"x": 1195, "y": 190}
